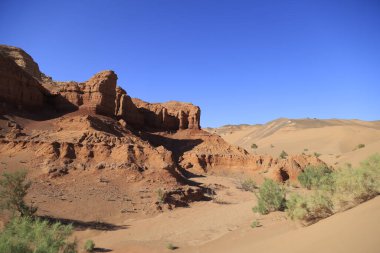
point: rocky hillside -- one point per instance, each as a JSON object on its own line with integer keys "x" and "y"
{"x": 92, "y": 144}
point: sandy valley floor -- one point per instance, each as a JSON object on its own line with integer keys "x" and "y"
{"x": 224, "y": 226}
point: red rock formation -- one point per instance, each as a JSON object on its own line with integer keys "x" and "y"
{"x": 97, "y": 94}
{"x": 18, "y": 87}
{"x": 22, "y": 59}
{"x": 170, "y": 115}
{"x": 127, "y": 110}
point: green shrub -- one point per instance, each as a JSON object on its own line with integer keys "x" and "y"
{"x": 283, "y": 154}
{"x": 359, "y": 146}
{"x": 171, "y": 246}
{"x": 89, "y": 246}
{"x": 309, "y": 208}
{"x": 254, "y": 146}
{"x": 248, "y": 185}
{"x": 255, "y": 224}
{"x": 271, "y": 197}
{"x": 13, "y": 189}
{"x": 316, "y": 154}
{"x": 161, "y": 196}
{"x": 314, "y": 177}
{"x": 356, "y": 185}
{"x": 25, "y": 235}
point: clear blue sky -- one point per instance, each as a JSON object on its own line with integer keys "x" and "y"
{"x": 240, "y": 61}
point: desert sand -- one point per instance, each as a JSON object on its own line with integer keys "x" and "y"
{"x": 225, "y": 227}
{"x": 335, "y": 140}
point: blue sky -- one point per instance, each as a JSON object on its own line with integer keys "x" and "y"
{"x": 240, "y": 61}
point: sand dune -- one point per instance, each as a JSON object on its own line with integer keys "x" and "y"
{"x": 355, "y": 230}
{"x": 336, "y": 140}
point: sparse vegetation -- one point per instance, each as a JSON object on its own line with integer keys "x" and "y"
{"x": 283, "y": 155}
{"x": 89, "y": 246}
{"x": 161, "y": 196}
{"x": 254, "y": 146}
{"x": 170, "y": 246}
{"x": 359, "y": 146}
{"x": 28, "y": 235}
{"x": 334, "y": 190}
{"x": 271, "y": 146}
{"x": 355, "y": 185}
{"x": 13, "y": 189}
{"x": 255, "y": 224}
{"x": 309, "y": 208}
{"x": 316, "y": 154}
{"x": 305, "y": 149}
{"x": 271, "y": 197}
{"x": 248, "y": 185}
{"x": 315, "y": 176}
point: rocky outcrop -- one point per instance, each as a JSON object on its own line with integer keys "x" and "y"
{"x": 127, "y": 110}
{"x": 18, "y": 87}
{"x": 97, "y": 95}
{"x": 22, "y": 59}
{"x": 201, "y": 152}
{"x": 169, "y": 116}
{"x": 22, "y": 84}
{"x": 292, "y": 166}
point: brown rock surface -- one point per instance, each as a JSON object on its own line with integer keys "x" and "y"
{"x": 170, "y": 115}
{"x": 18, "y": 87}
{"x": 22, "y": 59}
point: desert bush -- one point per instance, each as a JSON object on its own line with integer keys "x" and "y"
{"x": 13, "y": 189}
{"x": 171, "y": 246}
{"x": 309, "y": 208}
{"x": 271, "y": 197}
{"x": 161, "y": 196}
{"x": 26, "y": 235}
{"x": 254, "y": 146}
{"x": 248, "y": 185}
{"x": 315, "y": 176}
{"x": 255, "y": 224}
{"x": 342, "y": 188}
{"x": 359, "y": 146}
{"x": 316, "y": 154}
{"x": 89, "y": 246}
{"x": 355, "y": 185}
{"x": 283, "y": 154}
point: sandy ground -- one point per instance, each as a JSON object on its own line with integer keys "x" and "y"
{"x": 355, "y": 230}
{"x": 223, "y": 225}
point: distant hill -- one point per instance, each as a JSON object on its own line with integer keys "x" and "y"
{"x": 336, "y": 140}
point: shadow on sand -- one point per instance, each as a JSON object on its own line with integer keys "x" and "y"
{"x": 83, "y": 225}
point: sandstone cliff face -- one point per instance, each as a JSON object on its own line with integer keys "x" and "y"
{"x": 97, "y": 94}
{"x": 22, "y": 59}
{"x": 17, "y": 87}
{"x": 23, "y": 85}
{"x": 170, "y": 115}
{"x": 127, "y": 110}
